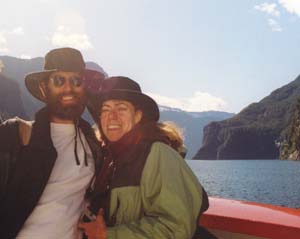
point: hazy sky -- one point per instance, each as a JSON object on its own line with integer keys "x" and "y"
{"x": 192, "y": 54}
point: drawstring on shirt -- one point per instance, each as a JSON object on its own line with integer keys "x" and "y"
{"x": 85, "y": 156}
{"x": 77, "y": 132}
{"x": 75, "y": 148}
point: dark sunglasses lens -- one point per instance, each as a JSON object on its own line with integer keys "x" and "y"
{"x": 58, "y": 81}
{"x": 76, "y": 81}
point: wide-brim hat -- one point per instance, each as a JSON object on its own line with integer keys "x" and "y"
{"x": 123, "y": 88}
{"x": 62, "y": 59}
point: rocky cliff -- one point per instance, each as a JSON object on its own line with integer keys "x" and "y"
{"x": 290, "y": 143}
{"x": 192, "y": 124}
{"x": 252, "y": 133}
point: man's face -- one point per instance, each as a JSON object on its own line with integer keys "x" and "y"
{"x": 65, "y": 95}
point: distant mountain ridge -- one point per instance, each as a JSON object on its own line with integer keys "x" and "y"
{"x": 17, "y": 69}
{"x": 192, "y": 124}
{"x": 17, "y": 101}
{"x": 200, "y": 114}
{"x": 252, "y": 133}
{"x": 11, "y": 103}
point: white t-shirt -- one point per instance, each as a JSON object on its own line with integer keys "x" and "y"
{"x": 60, "y": 206}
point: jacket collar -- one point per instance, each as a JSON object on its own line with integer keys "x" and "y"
{"x": 41, "y": 136}
{"x": 41, "y": 133}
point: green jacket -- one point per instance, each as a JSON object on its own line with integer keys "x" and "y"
{"x": 166, "y": 204}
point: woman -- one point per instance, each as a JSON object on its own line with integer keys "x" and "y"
{"x": 145, "y": 187}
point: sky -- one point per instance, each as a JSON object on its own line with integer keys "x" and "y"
{"x": 190, "y": 54}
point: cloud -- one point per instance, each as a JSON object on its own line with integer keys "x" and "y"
{"x": 274, "y": 25}
{"x": 24, "y": 56}
{"x": 292, "y": 6}
{"x": 3, "y": 44}
{"x": 269, "y": 8}
{"x": 70, "y": 31}
{"x": 64, "y": 37}
{"x": 17, "y": 31}
{"x": 200, "y": 101}
{"x": 6, "y": 34}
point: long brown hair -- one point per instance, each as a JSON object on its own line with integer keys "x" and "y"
{"x": 167, "y": 132}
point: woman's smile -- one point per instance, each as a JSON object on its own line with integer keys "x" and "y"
{"x": 117, "y": 118}
{"x": 113, "y": 127}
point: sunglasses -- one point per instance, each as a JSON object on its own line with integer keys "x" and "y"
{"x": 58, "y": 81}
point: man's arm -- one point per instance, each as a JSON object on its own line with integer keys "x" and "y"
{"x": 9, "y": 135}
{"x": 9, "y": 141}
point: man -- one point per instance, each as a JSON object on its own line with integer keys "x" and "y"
{"x": 46, "y": 165}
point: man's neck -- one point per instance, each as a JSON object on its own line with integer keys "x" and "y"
{"x": 55, "y": 119}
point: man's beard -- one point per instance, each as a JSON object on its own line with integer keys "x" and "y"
{"x": 66, "y": 112}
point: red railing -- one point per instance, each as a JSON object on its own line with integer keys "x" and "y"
{"x": 261, "y": 220}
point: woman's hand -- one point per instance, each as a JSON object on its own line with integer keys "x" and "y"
{"x": 95, "y": 229}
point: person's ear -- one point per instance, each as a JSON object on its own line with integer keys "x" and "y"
{"x": 42, "y": 88}
{"x": 138, "y": 116}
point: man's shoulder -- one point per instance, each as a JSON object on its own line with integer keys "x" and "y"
{"x": 25, "y": 129}
{"x": 87, "y": 129}
{"x": 9, "y": 135}
{"x": 10, "y": 122}
{"x": 84, "y": 123}
{"x": 17, "y": 126}
{"x": 9, "y": 125}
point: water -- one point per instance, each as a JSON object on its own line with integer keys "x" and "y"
{"x": 274, "y": 182}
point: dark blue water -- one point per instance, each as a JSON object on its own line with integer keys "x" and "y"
{"x": 274, "y": 182}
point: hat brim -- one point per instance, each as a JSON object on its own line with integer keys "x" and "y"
{"x": 141, "y": 101}
{"x": 32, "y": 81}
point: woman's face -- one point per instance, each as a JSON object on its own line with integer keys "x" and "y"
{"x": 117, "y": 118}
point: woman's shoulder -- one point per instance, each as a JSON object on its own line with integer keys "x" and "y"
{"x": 165, "y": 162}
{"x": 161, "y": 147}
{"x": 161, "y": 153}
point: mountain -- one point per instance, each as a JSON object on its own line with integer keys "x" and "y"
{"x": 21, "y": 103}
{"x": 16, "y": 68}
{"x": 192, "y": 124}
{"x": 290, "y": 143}
{"x": 11, "y": 103}
{"x": 255, "y": 132}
